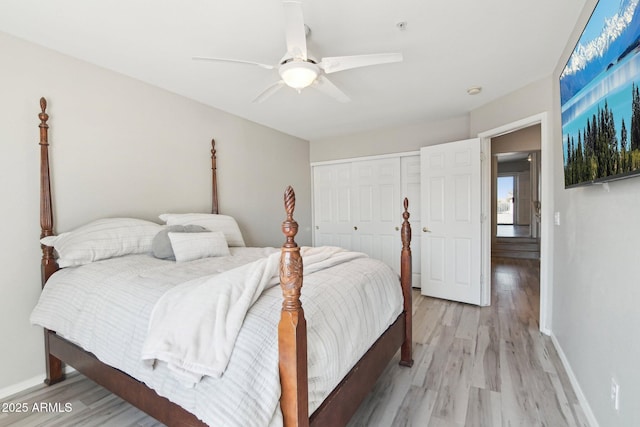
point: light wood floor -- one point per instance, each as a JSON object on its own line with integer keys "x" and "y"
{"x": 478, "y": 366}
{"x": 474, "y": 366}
{"x": 507, "y": 230}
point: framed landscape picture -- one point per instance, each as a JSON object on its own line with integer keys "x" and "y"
{"x": 600, "y": 97}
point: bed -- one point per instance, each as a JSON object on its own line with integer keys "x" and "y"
{"x": 299, "y": 367}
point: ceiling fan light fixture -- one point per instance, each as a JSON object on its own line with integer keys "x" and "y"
{"x": 298, "y": 74}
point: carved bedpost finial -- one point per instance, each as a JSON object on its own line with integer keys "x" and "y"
{"x": 406, "y": 227}
{"x": 43, "y": 116}
{"x": 290, "y": 261}
{"x": 289, "y": 207}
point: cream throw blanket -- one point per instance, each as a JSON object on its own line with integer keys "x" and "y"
{"x": 193, "y": 327}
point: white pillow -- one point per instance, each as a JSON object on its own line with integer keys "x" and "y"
{"x": 101, "y": 239}
{"x": 190, "y": 246}
{"x": 214, "y": 222}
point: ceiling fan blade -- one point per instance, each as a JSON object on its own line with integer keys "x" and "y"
{"x": 270, "y": 90}
{"x": 295, "y": 33}
{"x": 204, "y": 58}
{"x": 339, "y": 63}
{"x": 324, "y": 85}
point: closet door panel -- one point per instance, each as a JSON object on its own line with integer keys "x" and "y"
{"x": 332, "y": 205}
{"x": 378, "y": 206}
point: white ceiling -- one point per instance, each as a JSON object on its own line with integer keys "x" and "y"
{"x": 448, "y": 46}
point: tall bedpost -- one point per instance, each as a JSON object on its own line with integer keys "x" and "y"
{"x": 292, "y": 329}
{"x": 405, "y": 282}
{"x": 214, "y": 179}
{"x": 49, "y": 266}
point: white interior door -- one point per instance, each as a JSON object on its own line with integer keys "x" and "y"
{"x": 451, "y": 221}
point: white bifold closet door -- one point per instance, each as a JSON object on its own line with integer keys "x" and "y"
{"x": 358, "y": 205}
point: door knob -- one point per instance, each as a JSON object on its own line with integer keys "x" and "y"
{"x": 397, "y": 228}
{"x": 355, "y": 228}
{"x": 426, "y": 230}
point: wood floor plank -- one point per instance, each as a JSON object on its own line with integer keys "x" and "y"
{"x": 485, "y": 408}
{"x": 421, "y": 364}
{"x": 486, "y": 366}
{"x": 442, "y": 342}
{"x": 417, "y": 406}
{"x": 516, "y": 382}
{"x": 453, "y": 394}
{"x": 474, "y": 367}
{"x": 468, "y": 324}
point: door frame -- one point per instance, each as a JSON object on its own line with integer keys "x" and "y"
{"x": 546, "y": 199}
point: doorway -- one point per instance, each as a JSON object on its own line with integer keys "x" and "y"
{"x": 542, "y": 165}
{"x": 517, "y": 192}
{"x": 516, "y": 196}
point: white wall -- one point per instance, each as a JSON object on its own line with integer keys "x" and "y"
{"x": 597, "y": 280}
{"x": 524, "y": 102}
{"x": 120, "y": 147}
{"x": 385, "y": 141}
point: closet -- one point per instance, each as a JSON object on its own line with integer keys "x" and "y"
{"x": 357, "y": 204}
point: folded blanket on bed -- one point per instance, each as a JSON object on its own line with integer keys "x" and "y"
{"x": 193, "y": 327}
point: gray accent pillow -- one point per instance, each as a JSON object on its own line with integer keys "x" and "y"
{"x": 161, "y": 245}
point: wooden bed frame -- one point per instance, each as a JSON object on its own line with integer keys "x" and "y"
{"x": 337, "y": 408}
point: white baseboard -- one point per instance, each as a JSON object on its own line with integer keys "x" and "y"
{"x": 27, "y": 384}
{"x": 21, "y": 386}
{"x": 584, "y": 404}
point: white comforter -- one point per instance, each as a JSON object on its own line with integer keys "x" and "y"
{"x": 193, "y": 327}
{"x": 106, "y": 306}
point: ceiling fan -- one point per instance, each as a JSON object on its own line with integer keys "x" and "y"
{"x": 299, "y": 70}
